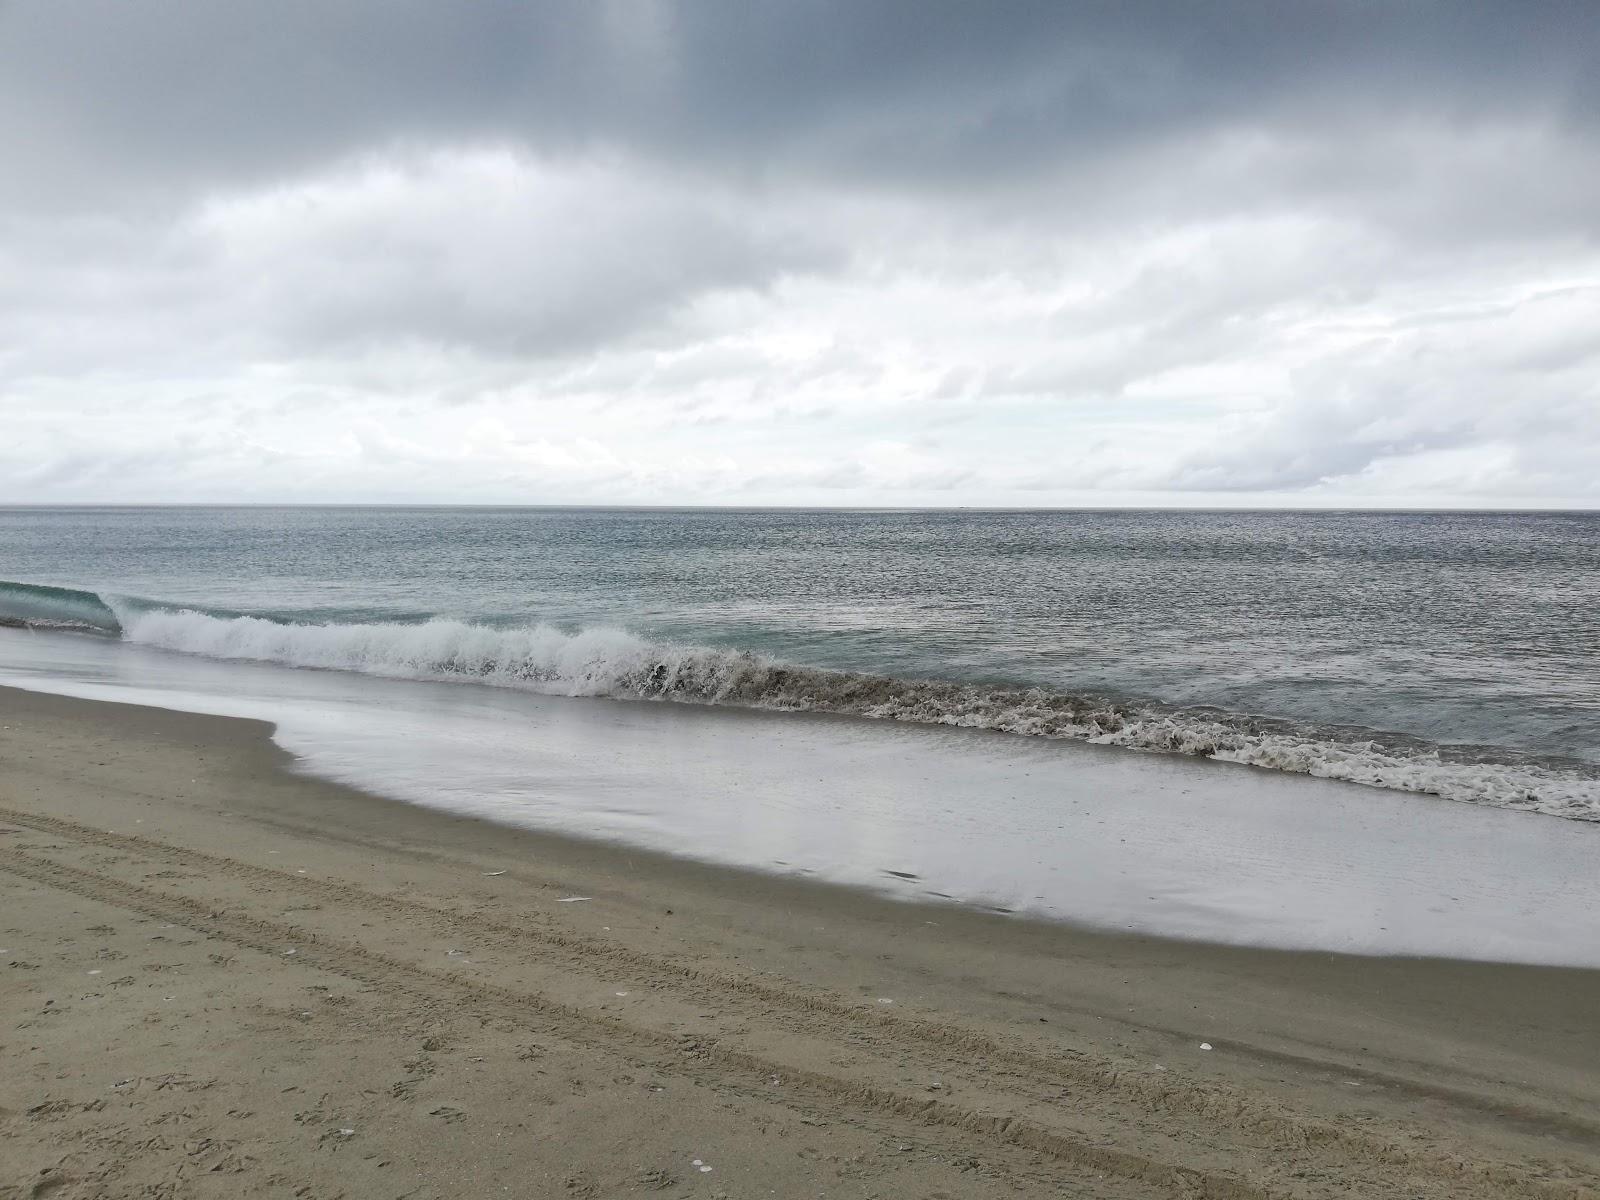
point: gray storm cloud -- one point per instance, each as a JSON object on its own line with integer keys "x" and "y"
{"x": 814, "y": 252}
{"x": 918, "y": 93}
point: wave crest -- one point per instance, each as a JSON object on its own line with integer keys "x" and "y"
{"x": 37, "y": 606}
{"x": 616, "y": 663}
{"x": 601, "y": 661}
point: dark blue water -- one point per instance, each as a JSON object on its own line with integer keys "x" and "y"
{"x": 1470, "y": 637}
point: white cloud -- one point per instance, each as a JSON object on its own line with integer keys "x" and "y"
{"x": 1163, "y": 283}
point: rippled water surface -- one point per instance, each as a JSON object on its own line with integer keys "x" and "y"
{"x": 1377, "y": 647}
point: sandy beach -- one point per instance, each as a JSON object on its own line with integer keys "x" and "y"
{"x": 832, "y": 601}
{"x": 222, "y": 978}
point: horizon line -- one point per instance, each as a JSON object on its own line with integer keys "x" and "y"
{"x": 618, "y": 507}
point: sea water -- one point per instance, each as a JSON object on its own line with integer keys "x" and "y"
{"x": 1423, "y": 655}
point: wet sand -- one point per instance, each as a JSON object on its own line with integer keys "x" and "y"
{"x": 221, "y": 978}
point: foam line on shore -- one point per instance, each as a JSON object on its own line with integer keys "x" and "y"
{"x": 607, "y": 661}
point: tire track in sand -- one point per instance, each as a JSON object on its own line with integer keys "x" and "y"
{"x": 889, "y": 1034}
{"x": 708, "y": 1062}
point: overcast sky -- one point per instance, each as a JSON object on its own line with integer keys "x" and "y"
{"x": 801, "y": 253}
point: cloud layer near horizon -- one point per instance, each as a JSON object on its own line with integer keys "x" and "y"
{"x": 804, "y": 253}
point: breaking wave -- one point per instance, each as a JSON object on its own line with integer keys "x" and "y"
{"x": 613, "y": 662}
{"x": 36, "y": 606}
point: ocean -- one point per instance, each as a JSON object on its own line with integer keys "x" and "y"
{"x": 967, "y": 705}
{"x": 1452, "y": 653}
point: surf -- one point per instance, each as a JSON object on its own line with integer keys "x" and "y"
{"x": 607, "y": 661}
{"x": 38, "y": 606}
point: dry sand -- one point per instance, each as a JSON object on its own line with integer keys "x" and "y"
{"x": 218, "y": 978}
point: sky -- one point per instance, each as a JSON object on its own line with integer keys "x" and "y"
{"x": 902, "y": 252}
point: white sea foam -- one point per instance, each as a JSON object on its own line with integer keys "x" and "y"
{"x": 613, "y": 662}
{"x": 1168, "y": 845}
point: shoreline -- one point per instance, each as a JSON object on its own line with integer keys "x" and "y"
{"x": 1170, "y": 845}
{"x": 617, "y": 664}
{"x": 1381, "y": 1072}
